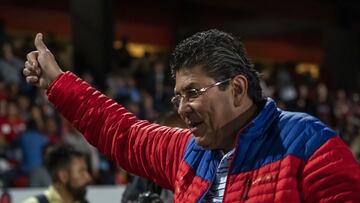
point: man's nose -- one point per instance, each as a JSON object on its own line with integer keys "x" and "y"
{"x": 183, "y": 107}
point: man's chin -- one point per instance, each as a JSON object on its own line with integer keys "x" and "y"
{"x": 201, "y": 142}
{"x": 80, "y": 194}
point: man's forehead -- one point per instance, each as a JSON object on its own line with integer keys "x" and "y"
{"x": 78, "y": 161}
{"x": 189, "y": 76}
{"x": 192, "y": 72}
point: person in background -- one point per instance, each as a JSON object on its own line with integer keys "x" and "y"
{"x": 32, "y": 143}
{"x": 10, "y": 65}
{"x": 68, "y": 169}
{"x": 40, "y": 177}
{"x": 5, "y": 196}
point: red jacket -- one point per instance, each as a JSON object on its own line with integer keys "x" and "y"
{"x": 279, "y": 157}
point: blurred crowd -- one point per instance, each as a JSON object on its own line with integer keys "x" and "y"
{"x": 29, "y": 126}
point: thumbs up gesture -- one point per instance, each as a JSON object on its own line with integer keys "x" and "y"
{"x": 41, "y": 69}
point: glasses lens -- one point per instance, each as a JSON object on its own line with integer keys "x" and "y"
{"x": 191, "y": 94}
{"x": 176, "y": 101}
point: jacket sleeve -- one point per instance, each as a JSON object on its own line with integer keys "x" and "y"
{"x": 331, "y": 174}
{"x": 140, "y": 147}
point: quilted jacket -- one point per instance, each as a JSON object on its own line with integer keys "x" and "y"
{"x": 279, "y": 157}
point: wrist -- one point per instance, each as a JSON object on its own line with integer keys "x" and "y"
{"x": 55, "y": 75}
{"x": 53, "y": 82}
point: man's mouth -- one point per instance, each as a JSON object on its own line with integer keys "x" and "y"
{"x": 193, "y": 126}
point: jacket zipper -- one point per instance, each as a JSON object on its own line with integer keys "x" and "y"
{"x": 247, "y": 185}
{"x": 230, "y": 167}
{"x": 232, "y": 160}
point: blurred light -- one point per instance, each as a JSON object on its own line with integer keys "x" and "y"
{"x": 137, "y": 49}
{"x": 308, "y": 68}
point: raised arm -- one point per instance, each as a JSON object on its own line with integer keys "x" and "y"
{"x": 140, "y": 147}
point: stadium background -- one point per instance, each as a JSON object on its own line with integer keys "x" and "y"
{"x": 308, "y": 53}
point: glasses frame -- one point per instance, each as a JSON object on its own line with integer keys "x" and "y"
{"x": 176, "y": 100}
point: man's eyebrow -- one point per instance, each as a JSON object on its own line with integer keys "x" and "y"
{"x": 190, "y": 86}
{"x": 187, "y": 87}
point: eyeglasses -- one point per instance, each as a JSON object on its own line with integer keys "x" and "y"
{"x": 191, "y": 94}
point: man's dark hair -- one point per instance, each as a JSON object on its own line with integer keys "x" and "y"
{"x": 221, "y": 56}
{"x": 60, "y": 158}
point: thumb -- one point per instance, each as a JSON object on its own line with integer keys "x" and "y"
{"x": 39, "y": 43}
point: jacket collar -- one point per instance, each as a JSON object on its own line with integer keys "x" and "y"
{"x": 262, "y": 121}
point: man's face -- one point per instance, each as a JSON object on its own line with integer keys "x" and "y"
{"x": 208, "y": 113}
{"x": 79, "y": 178}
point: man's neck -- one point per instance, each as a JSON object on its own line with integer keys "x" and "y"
{"x": 231, "y": 130}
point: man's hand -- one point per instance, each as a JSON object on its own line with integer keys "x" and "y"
{"x": 41, "y": 69}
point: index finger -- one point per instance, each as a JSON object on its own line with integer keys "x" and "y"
{"x": 32, "y": 58}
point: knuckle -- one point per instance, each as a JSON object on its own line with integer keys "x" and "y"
{"x": 25, "y": 72}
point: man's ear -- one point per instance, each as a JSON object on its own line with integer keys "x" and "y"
{"x": 240, "y": 87}
{"x": 63, "y": 176}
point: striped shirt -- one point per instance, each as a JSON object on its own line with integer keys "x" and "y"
{"x": 216, "y": 192}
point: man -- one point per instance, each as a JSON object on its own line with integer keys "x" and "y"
{"x": 69, "y": 173}
{"x": 238, "y": 146}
